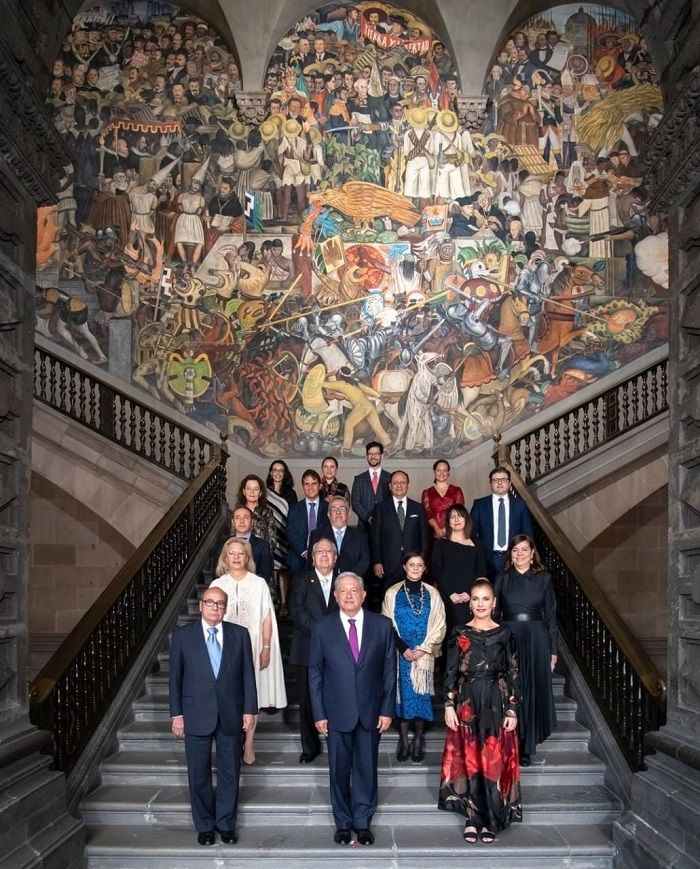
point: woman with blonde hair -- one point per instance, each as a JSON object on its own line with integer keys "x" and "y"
{"x": 250, "y": 605}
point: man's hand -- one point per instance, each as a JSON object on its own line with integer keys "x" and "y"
{"x": 249, "y": 722}
{"x": 178, "y": 726}
{"x": 384, "y": 723}
{"x": 379, "y": 570}
{"x": 322, "y": 726}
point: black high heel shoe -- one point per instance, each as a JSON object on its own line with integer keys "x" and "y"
{"x": 471, "y": 837}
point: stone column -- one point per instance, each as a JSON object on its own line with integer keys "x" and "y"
{"x": 34, "y": 825}
{"x": 662, "y": 827}
{"x": 252, "y": 106}
{"x": 472, "y": 111}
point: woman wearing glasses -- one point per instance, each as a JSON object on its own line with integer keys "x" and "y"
{"x": 250, "y": 605}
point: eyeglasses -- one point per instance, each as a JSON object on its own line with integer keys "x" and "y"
{"x": 214, "y": 604}
{"x": 339, "y": 509}
{"x": 500, "y": 480}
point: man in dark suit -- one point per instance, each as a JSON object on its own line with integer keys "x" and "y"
{"x": 351, "y": 543}
{"x": 371, "y": 486}
{"x": 311, "y": 598}
{"x": 242, "y": 526}
{"x": 303, "y": 519}
{"x": 398, "y": 526}
{"x": 212, "y": 697}
{"x": 497, "y": 518}
{"x": 352, "y": 682}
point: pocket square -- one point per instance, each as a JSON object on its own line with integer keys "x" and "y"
{"x": 412, "y": 515}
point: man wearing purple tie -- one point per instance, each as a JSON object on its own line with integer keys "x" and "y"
{"x": 352, "y": 683}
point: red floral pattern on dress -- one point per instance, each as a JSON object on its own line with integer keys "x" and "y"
{"x": 465, "y": 713}
{"x": 492, "y": 758}
{"x": 464, "y": 643}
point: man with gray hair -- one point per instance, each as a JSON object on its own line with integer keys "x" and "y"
{"x": 352, "y": 683}
{"x": 351, "y": 543}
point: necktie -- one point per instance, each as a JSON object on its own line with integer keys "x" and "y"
{"x": 375, "y": 482}
{"x": 352, "y": 639}
{"x": 401, "y": 513}
{"x": 214, "y": 650}
{"x": 501, "y": 526}
{"x": 312, "y": 517}
{"x": 338, "y": 540}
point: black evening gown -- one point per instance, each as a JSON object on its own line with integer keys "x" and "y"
{"x": 480, "y": 775}
{"x": 454, "y": 568}
{"x": 533, "y": 594}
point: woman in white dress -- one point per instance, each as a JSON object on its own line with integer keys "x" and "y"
{"x": 250, "y": 605}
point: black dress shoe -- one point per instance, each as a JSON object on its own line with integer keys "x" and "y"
{"x": 342, "y": 837}
{"x": 525, "y": 760}
{"x": 207, "y": 838}
{"x": 365, "y": 837}
{"x": 305, "y": 757}
{"x": 228, "y": 837}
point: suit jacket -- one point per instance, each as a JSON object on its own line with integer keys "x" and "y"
{"x": 345, "y": 692}
{"x": 362, "y": 497}
{"x": 354, "y": 551}
{"x": 389, "y": 543}
{"x": 298, "y": 531}
{"x": 262, "y": 554}
{"x": 520, "y": 521}
{"x": 307, "y": 605}
{"x": 205, "y": 700}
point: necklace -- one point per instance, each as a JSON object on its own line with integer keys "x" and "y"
{"x": 419, "y": 611}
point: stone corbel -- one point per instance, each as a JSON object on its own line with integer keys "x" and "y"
{"x": 252, "y": 106}
{"x": 472, "y": 112}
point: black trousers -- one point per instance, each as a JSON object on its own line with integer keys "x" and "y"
{"x": 310, "y": 739}
{"x": 210, "y": 811}
{"x": 352, "y": 765}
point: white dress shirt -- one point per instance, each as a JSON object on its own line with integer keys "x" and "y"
{"x": 326, "y": 585}
{"x": 219, "y": 633}
{"x": 494, "y": 506}
{"x": 359, "y": 621}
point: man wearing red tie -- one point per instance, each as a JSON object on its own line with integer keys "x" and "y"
{"x": 352, "y": 683}
{"x": 371, "y": 486}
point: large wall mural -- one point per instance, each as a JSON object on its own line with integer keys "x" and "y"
{"x": 356, "y": 262}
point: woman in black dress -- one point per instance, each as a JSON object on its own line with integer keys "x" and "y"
{"x": 480, "y": 776}
{"x": 280, "y": 495}
{"x": 457, "y": 562}
{"x": 527, "y": 605}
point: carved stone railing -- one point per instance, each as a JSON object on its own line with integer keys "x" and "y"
{"x": 622, "y": 677}
{"x": 583, "y": 429}
{"x": 118, "y": 417}
{"x": 74, "y": 690}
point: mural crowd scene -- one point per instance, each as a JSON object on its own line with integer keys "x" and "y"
{"x": 360, "y": 262}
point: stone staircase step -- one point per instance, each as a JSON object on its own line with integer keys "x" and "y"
{"x": 528, "y": 846}
{"x": 399, "y": 804}
{"x": 168, "y": 767}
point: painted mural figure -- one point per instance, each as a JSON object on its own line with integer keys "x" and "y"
{"x": 359, "y": 263}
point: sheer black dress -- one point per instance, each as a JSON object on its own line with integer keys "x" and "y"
{"x": 454, "y": 568}
{"x": 480, "y": 776}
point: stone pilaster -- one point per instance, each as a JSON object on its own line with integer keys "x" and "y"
{"x": 35, "y": 828}
{"x": 252, "y": 106}
{"x": 662, "y": 827}
{"x": 472, "y": 112}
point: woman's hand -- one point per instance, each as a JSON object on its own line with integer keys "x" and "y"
{"x": 264, "y": 659}
{"x": 510, "y": 722}
{"x": 553, "y": 660}
{"x": 408, "y": 655}
{"x": 418, "y": 654}
{"x": 451, "y": 718}
{"x": 456, "y": 598}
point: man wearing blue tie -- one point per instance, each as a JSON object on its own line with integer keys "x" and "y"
{"x": 212, "y": 697}
{"x": 351, "y": 543}
{"x": 497, "y": 518}
{"x": 303, "y": 519}
{"x": 352, "y": 683}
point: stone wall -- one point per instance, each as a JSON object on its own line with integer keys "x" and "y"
{"x": 629, "y": 560}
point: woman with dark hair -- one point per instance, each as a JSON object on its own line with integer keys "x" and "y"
{"x": 418, "y": 616}
{"x": 280, "y": 494}
{"x": 251, "y": 494}
{"x": 528, "y": 606}
{"x": 457, "y": 562}
{"x": 330, "y": 484}
{"x": 480, "y": 777}
{"x": 438, "y": 497}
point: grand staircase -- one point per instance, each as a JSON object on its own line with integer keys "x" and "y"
{"x": 139, "y": 816}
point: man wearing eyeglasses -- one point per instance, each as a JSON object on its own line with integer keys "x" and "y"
{"x": 351, "y": 543}
{"x": 311, "y": 598}
{"x": 497, "y": 518}
{"x": 212, "y": 698}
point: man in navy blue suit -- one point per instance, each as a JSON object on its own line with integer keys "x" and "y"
{"x": 311, "y": 599}
{"x": 242, "y": 526}
{"x": 212, "y": 697}
{"x": 398, "y": 526}
{"x": 497, "y": 518}
{"x": 352, "y": 683}
{"x": 303, "y": 519}
{"x": 371, "y": 486}
{"x": 350, "y": 543}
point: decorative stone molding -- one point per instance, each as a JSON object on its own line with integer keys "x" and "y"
{"x": 252, "y": 106}
{"x": 29, "y": 142}
{"x": 672, "y": 159}
{"x": 472, "y": 112}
